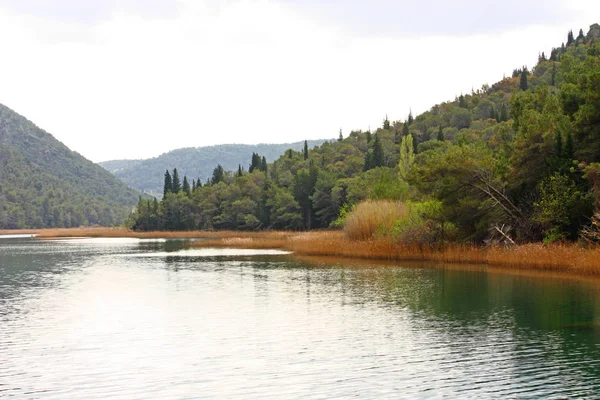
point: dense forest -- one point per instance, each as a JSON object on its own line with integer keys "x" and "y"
{"x": 515, "y": 161}
{"x": 43, "y": 184}
{"x": 146, "y": 175}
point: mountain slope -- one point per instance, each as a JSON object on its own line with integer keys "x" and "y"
{"x": 44, "y": 184}
{"x": 199, "y": 162}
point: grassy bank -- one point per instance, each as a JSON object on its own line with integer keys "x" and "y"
{"x": 566, "y": 258}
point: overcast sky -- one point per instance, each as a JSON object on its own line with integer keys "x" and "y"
{"x": 135, "y": 78}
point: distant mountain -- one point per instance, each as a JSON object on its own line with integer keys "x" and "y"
{"x": 195, "y": 162}
{"x": 43, "y": 184}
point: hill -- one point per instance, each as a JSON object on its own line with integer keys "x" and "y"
{"x": 195, "y": 162}
{"x": 516, "y": 161}
{"x": 44, "y": 184}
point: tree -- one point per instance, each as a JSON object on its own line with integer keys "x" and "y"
{"x": 407, "y": 156}
{"x": 263, "y": 164}
{"x": 386, "y": 123}
{"x": 378, "y": 154}
{"x": 581, "y": 37}
{"x": 405, "y": 129}
{"x": 240, "y": 172}
{"x": 410, "y": 118}
{"x": 462, "y": 102}
{"x": 218, "y": 175}
{"x": 305, "y": 150}
{"x": 168, "y": 188}
{"x": 523, "y": 82}
{"x": 186, "y": 186}
{"x": 570, "y": 38}
{"x": 341, "y": 137}
{"x": 503, "y": 113}
{"x": 176, "y": 182}
{"x": 368, "y": 136}
{"x": 440, "y": 135}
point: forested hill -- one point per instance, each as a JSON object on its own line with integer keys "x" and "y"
{"x": 519, "y": 160}
{"x": 195, "y": 162}
{"x": 44, "y": 184}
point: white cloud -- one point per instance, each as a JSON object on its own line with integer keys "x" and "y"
{"x": 244, "y": 71}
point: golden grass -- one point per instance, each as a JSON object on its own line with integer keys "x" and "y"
{"x": 373, "y": 216}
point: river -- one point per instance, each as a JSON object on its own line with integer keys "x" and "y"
{"x": 141, "y": 319}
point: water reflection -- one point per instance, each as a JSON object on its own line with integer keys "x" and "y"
{"x": 137, "y": 319}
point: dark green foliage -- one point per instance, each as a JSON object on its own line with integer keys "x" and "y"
{"x": 480, "y": 172}
{"x": 341, "y": 137}
{"x": 305, "y": 151}
{"x": 410, "y": 118}
{"x": 146, "y": 175}
{"x": 386, "y": 123}
{"x": 523, "y": 82}
{"x": 43, "y": 184}
{"x": 176, "y": 182}
{"x": 570, "y": 38}
{"x": 168, "y": 184}
{"x": 186, "y": 186}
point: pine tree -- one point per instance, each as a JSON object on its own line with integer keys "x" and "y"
{"x": 186, "y": 186}
{"x": 341, "y": 137}
{"x": 176, "y": 182}
{"x": 440, "y": 135}
{"x": 523, "y": 83}
{"x": 168, "y": 188}
{"x": 305, "y": 150}
{"x": 386, "y": 123}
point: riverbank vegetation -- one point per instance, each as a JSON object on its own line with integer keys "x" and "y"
{"x": 517, "y": 162}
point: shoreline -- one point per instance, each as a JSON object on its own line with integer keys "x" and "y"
{"x": 564, "y": 258}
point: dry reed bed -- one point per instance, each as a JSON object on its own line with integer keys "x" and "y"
{"x": 571, "y": 258}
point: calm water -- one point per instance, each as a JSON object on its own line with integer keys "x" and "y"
{"x": 131, "y": 319}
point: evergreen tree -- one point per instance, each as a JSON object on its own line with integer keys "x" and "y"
{"x": 410, "y": 118}
{"x": 240, "y": 173}
{"x": 198, "y": 183}
{"x": 570, "y": 38}
{"x": 558, "y": 144}
{"x": 405, "y": 129}
{"x": 378, "y": 155}
{"x": 186, "y": 186}
{"x": 440, "y": 135}
{"x": 368, "y": 136}
{"x": 407, "y": 156}
{"x": 193, "y": 185}
{"x": 263, "y": 164}
{"x": 581, "y": 37}
{"x": 569, "y": 147}
{"x": 397, "y": 137}
{"x": 368, "y": 160}
{"x": 462, "y": 102}
{"x": 255, "y": 163}
{"x": 168, "y": 188}
{"x": 523, "y": 83}
{"x": 176, "y": 182}
{"x": 218, "y": 175}
{"x": 386, "y": 123}
{"x": 503, "y": 113}
{"x": 553, "y": 82}
{"x": 341, "y": 137}
{"x": 305, "y": 150}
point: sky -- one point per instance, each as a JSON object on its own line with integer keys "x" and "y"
{"x": 127, "y": 79}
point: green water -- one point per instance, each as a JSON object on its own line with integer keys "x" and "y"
{"x": 138, "y": 319}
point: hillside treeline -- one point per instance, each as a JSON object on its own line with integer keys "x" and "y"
{"x": 517, "y": 160}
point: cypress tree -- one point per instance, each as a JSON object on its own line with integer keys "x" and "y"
{"x": 462, "y": 102}
{"x": 570, "y": 38}
{"x": 503, "y": 113}
{"x": 198, "y": 183}
{"x": 397, "y": 137}
{"x": 558, "y": 144}
{"x": 405, "y": 129}
{"x": 168, "y": 188}
{"x": 368, "y": 160}
{"x": 378, "y": 155}
{"x": 218, "y": 175}
{"x": 440, "y": 135}
{"x": 263, "y": 164}
{"x": 410, "y": 118}
{"x": 368, "y": 136}
{"x": 581, "y": 37}
{"x": 240, "y": 172}
{"x": 553, "y": 82}
{"x": 176, "y": 182}
{"x": 493, "y": 114}
{"x": 193, "y": 185}
{"x": 186, "y": 186}
{"x": 386, "y": 123}
{"x": 523, "y": 83}
{"x": 569, "y": 150}
{"x": 306, "y": 150}
{"x": 341, "y": 137}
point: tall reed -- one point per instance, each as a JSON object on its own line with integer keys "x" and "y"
{"x": 373, "y": 217}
